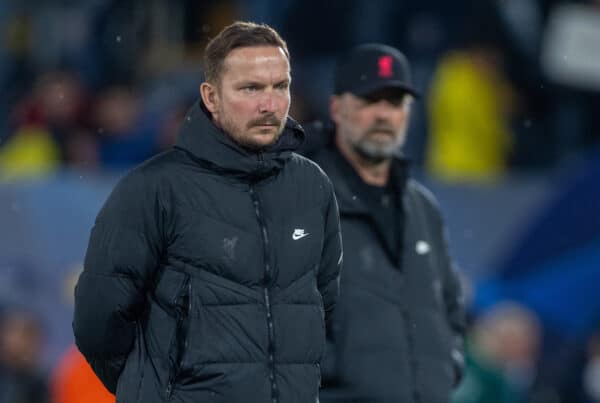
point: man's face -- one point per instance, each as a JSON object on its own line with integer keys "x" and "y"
{"x": 373, "y": 126}
{"x": 252, "y": 98}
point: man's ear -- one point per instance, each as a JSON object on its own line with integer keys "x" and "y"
{"x": 209, "y": 95}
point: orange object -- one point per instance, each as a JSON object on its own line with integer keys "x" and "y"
{"x": 74, "y": 381}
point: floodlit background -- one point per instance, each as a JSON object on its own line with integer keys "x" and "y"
{"x": 506, "y": 134}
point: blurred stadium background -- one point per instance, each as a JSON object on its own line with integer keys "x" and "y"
{"x": 506, "y": 134}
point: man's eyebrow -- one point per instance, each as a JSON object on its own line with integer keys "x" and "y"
{"x": 250, "y": 82}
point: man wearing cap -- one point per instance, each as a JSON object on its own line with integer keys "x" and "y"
{"x": 397, "y": 331}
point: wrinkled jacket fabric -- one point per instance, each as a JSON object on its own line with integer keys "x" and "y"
{"x": 209, "y": 273}
{"x": 399, "y": 322}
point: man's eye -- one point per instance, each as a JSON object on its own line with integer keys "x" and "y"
{"x": 282, "y": 86}
{"x": 250, "y": 89}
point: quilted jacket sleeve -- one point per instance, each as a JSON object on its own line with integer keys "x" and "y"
{"x": 124, "y": 250}
{"x": 453, "y": 298}
{"x": 331, "y": 257}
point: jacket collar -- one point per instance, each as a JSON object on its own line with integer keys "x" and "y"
{"x": 210, "y": 146}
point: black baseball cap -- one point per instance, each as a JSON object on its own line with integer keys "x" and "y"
{"x": 371, "y": 67}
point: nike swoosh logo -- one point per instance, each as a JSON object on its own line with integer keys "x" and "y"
{"x": 298, "y": 234}
{"x": 295, "y": 237}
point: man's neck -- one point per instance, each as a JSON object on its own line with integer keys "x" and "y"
{"x": 372, "y": 173}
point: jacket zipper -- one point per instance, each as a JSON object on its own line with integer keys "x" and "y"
{"x": 266, "y": 293}
{"x": 182, "y": 330}
{"x": 261, "y": 161}
{"x": 412, "y": 359}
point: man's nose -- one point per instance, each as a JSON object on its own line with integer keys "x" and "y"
{"x": 383, "y": 109}
{"x": 268, "y": 102}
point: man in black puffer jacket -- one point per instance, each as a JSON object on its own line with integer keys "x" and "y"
{"x": 212, "y": 267}
{"x": 398, "y": 326}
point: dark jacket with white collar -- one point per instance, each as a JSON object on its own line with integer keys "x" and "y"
{"x": 209, "y": 273}
{"x": 399, "y": 321}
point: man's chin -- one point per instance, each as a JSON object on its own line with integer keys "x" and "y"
{"x": 258, "y": 141}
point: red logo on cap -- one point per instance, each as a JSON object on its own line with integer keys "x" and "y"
{"x": 385, "y": 66}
